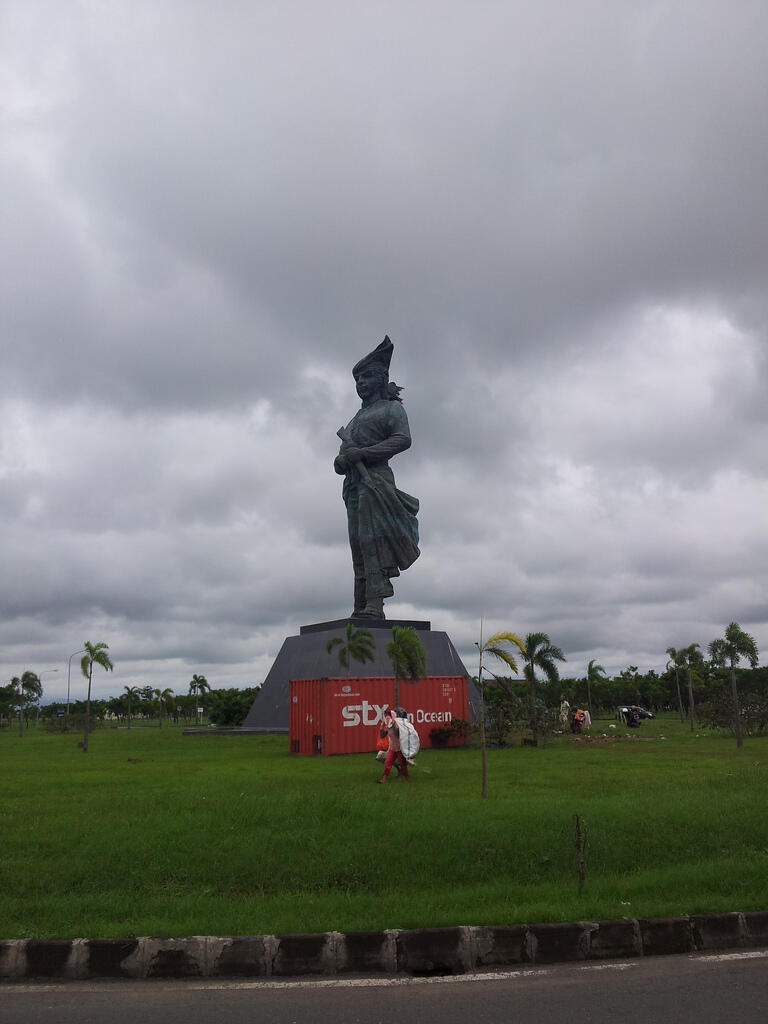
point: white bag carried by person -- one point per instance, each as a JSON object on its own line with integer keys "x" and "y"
{"x": 410, "y": 744}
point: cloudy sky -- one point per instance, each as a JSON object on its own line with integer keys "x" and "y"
{"x": 557, "y": 211}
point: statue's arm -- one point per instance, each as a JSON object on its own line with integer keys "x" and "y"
{"x": 397, "y": 440}
{"x": 392, "y": 445}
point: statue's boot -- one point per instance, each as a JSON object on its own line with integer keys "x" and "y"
{"x": 359, "y": 608}
{"x": 374, "y": 608}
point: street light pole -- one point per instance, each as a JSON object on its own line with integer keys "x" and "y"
{"x": 69, "y": 673}
{"x": 484, "y": 767}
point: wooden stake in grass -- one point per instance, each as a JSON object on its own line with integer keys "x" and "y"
{"x": 581, "y": 842}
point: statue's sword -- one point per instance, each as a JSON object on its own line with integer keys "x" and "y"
{"x": 362, "y": 469}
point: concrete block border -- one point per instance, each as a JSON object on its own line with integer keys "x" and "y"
{"x": 415, "y": 952}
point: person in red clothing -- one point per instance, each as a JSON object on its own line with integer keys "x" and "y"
{"x": 394, "y": 754}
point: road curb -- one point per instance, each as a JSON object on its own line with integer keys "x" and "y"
{"x": 416, "y": 952}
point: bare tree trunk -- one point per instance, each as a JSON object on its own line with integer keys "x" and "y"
{"x": 736, "y": 708}
{"x": 534, "y": 716}
{"x": 483, "y": 759}
{"x": 691, "y": 711}
{"x": 88, "y": 709}
{"x": 679, "y": 696}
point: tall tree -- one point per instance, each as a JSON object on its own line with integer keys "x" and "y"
{"x": 736, "y": 644}
{"x": 27, "y": 688}
{"x": 539, "y": 653}
{"x": 95, "y": 654}
{"x": 692, "y": 657}
{"x": 131, "y": 694}
{"x": 198, "y": 686}
{"x": 164, "y": 702}
{"x": 357, "y": 644}
{"x": 677, "y": 658}
{"x": 498, "y": 647}
{"x": 594, "y": 674}
{"x": 409, "y": 659}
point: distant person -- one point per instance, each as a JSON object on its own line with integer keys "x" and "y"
{"x": 394, "y": 753}
{"x": 565, "y": 711}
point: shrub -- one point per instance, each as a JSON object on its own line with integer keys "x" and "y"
{"x": 229, "y": 707}
{"x": 442, "y": 735}
{"x": 75, "y": 723}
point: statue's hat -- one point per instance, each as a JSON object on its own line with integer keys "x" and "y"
{"x": 381, "y": 356}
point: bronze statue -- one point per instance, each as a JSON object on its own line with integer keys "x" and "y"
{"x": 383, "y": 529}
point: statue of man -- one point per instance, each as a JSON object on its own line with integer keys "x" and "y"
{"x": 383, "y": 529}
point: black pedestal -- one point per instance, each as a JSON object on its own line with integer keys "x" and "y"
{"x": 305, "y": 657}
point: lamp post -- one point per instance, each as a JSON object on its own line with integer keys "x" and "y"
{"x": 69, "y": 673}
{"x": 479, "y": 646}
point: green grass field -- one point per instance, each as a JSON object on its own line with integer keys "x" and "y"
{"x": 152, "y": 833}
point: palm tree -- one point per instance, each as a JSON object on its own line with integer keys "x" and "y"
{"x": 496, "y": 646}
{"x": 539, "y": 653}
{"x": 594, "y": 674}
{"x": 164, "y": 701}
{"x": 28, "y": 688}
{"x": 677, "y": 658}
{"x": 692, "y": 656}
{"x": 409, "y": 659}
{"x": 94, "y": 654}
{"x": 359, "y": 646}
{"x": 131, "y": 693}
{"x": 734, "y": 645}
{"x": 198, "y": 686}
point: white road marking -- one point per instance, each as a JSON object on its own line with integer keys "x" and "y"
{"x": 732, "y": 956}
{"x": 208, "y": 986}
{"x": 624, "y": 966}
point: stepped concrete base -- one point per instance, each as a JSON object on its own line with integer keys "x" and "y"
{"x": 306, "y": 657}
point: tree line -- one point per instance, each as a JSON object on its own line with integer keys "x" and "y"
{"x": 20, "y": 699}
{"x": 714, "y": 688}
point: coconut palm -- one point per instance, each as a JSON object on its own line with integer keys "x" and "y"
{"x": 131, "y": 694}
{"x": 27, "y": 688}
{"x": 498, "y": 647}
{"x": 409, "y": 659}
{"x": 594, "y": 674}
{"x": 736, "y": 644}
{"x": 539, "y": 653}
{"x": 164, "y": 702}
{"x": 693, "y": 657}
{"x": 357, "y": 644}
{"x": 677, "y": 658}
{"x": 198, "y": 686}
{"x": 95, "y": 654}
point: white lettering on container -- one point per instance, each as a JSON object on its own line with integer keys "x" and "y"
{"x": 369, "y": 714}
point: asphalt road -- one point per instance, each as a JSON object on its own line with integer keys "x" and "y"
{"x": 663, "y": 990}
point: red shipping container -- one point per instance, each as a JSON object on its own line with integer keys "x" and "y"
{"x": 343, "y": 716}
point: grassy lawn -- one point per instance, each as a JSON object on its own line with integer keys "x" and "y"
{"x": 152, "y": 833}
